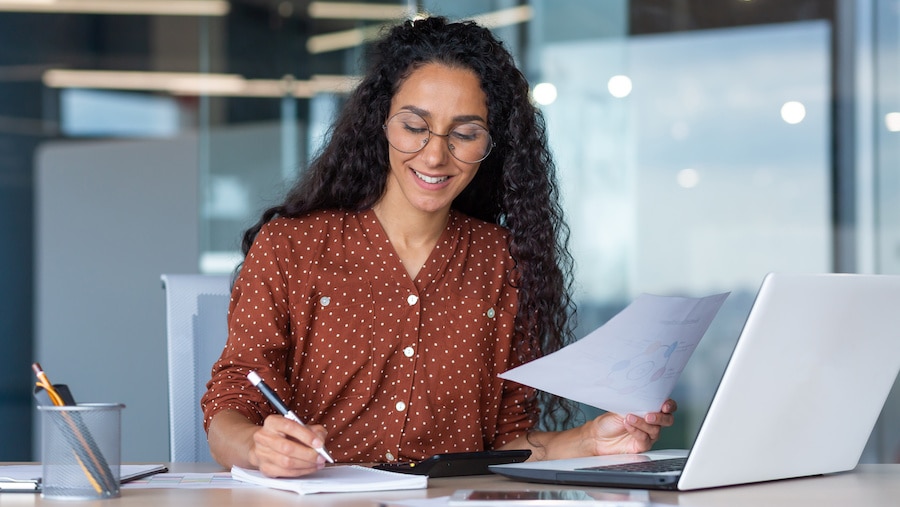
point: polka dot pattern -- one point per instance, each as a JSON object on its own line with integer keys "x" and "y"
{"x": 394, "y": 368}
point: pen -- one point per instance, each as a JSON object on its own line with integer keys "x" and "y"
{"x": 282, "y": 408}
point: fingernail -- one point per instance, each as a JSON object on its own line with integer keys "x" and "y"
{"x": 631, "y": 418}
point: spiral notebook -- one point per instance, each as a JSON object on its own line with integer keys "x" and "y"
{"x": 335, "y": 479}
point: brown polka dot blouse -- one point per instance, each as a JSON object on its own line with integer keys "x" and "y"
{"x": 394, "y": 368}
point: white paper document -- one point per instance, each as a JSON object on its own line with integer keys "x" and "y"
{"x": 336, "y": 479}
{"x": 630, "y": 364}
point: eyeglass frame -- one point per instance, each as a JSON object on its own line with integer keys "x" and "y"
{"x": 490, "y": 148}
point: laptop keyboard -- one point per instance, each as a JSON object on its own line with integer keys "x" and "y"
{"x": 660, "y": 465}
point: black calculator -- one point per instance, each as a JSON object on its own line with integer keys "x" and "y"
{"x": 455, "y": 464}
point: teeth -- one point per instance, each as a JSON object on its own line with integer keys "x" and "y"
{"x": 430, "y": 179}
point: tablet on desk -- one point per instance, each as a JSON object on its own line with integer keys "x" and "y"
{"x": 455, "y": 464}
{"x": 535, "y": 498}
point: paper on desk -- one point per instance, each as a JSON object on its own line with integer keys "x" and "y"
{"x": 630, "y": 364}
{"x": 193, "y": 480}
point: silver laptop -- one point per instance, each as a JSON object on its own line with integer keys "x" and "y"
{"x": 805, "y": 384}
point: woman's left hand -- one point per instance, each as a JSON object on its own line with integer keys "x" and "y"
{"x": 607, "y": 434}
{"x": 630, "y": 434}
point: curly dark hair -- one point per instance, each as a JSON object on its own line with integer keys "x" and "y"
{"x": 515, "y": 185}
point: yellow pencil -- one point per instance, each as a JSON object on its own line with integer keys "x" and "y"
{"x": 44, "y": 382}
{"x": 57, "y": 400}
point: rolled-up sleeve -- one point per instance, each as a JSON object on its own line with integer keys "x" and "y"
{"x": 258, "y": 334}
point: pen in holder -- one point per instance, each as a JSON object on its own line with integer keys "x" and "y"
{"x": 80, "y": 448}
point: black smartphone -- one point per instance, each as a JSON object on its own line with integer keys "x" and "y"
{"x": 455, "y": 464}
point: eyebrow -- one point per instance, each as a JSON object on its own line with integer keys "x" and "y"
{"x": 460, "y": 118}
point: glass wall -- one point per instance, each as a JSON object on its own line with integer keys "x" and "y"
{"x": 693, "y": 162}
{"x": 881, "y": 119}
{"x": 886, "y": 128}
{"x": 699, "y": 145}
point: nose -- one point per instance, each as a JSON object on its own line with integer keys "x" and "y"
{"x": 436, "y": 150}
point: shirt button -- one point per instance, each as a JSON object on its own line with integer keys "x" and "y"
{"x": 389, "y": 456}
{"x": 325, "y": 300}
{"x": 491, "y": 313}
{"x": 408, "y": 352}
{"x": 412, "y": 299}
{"x": 400, "y": 406}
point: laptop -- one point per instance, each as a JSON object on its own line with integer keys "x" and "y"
{"x": 805, "y": 384}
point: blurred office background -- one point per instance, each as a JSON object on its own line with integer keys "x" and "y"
{"x": 700, "y": 145}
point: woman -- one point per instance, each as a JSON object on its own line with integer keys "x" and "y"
{"x": 421, "y": 255}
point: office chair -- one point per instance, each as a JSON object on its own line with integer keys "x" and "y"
{"x": 196, "y": 329}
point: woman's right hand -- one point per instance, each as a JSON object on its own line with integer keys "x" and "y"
{"x": 278, "y": 448}
{"x": 283, "y": 448}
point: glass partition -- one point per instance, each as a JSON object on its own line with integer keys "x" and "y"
{"x": 885, "y": 183}
{"x": 693, "y": 163}
{"x": 886, "y": 126}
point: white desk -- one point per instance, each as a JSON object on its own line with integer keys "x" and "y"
{"x": 868, "y": 486}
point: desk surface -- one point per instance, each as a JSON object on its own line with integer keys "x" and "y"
{"x": 869, "y": 485}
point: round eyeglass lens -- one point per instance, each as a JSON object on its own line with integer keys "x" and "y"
{"x": 408, "y": 132}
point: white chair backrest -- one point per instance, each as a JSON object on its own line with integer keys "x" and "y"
{"x": 196, "y": 329}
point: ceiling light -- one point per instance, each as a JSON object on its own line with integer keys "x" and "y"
{"x": 892, "y": 121}
{"x": 139, "y": 7}
{"x": 793, "y": 112}
{"x": 174, "y": 82}
{"x": 505, "y": 17}
{"x": 352, "y": 10}
{"x": 197, "y": 84}
{"x": 619, "y": 86}
{"x": 357, "y": 36}
{"x": 342, "y": 40}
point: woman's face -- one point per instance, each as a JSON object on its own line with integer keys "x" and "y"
{"x": 447, "y": 99}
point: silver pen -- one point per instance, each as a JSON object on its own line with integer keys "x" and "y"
{"x": 282, "y": 408}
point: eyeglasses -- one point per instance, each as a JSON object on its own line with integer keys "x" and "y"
{"x": 407, "y": 132}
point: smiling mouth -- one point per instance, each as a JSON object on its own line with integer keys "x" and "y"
{"x": 430, "y": 179}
